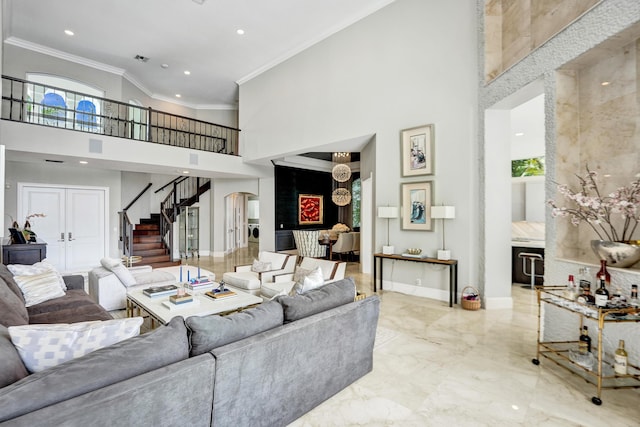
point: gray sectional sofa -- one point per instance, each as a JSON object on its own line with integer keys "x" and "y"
{"x": 265, "y": 366}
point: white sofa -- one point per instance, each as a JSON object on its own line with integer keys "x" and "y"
{"x": 111, "y": 293}
{"x": 283, "y": 283}
{"x": 251, "y": 281}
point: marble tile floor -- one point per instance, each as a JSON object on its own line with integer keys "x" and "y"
{"x": 441, "y": 366}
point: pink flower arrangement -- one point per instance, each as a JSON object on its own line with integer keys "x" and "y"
{"x": 600, "y": 211}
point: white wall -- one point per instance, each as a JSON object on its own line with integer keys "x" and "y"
{"x": 51, "y": 173}
{"x": 411, "y": 63}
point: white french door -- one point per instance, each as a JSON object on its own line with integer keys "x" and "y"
{"x": 75, "y": 225}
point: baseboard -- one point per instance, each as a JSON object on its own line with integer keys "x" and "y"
{"x": 498, "y": 303}
{"x": 418, "y": 291}
{"x": 218, "y": 254}
{"x": 204, "y": 253}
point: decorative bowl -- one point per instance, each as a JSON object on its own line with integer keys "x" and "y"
{"x": 617, "y": 254}
{"x": 414, "y": 251}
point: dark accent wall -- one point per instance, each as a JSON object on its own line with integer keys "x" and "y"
{"x": 291, "y": 182}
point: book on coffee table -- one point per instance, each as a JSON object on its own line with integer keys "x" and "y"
{"x": 160, "y": 291}
{"x": 171, "y": 306}
{"x": 218, "y": 294}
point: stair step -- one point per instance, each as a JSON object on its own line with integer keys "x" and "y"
{"x": 149, "y": 252}
{"x": 155, "y": 258}
{"x": 145, "y": 232}
{"x": 161, "y": 264}
{"x": 147, "y": 227}
{"x": 137, "y": 247}
{"x": 147, "y": 239}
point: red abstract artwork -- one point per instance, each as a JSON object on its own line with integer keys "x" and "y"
{"x": 310, "y": 209}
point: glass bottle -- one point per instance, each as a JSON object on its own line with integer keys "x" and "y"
{"x": 572, "y": 291}
{"x": 633, "y": 301}
{"x": 604, "y": 272}
{"x": 584, "y": 344}
{"x": 620, "y": 360}
{"x": 602, "y": 294}
{"x": 584, "y": 276}
{"x": 585, "y": 297}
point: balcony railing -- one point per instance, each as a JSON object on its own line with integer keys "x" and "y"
{"x": 38, "y": 104}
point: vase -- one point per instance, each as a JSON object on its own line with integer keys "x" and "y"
{"x": 617, "y": 254}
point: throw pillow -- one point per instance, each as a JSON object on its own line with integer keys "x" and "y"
{"x": 44, "y": 346}
{"x": 307, "y": 280}
{"x": 260, "y": 266}
{"x": 11, "y": 369}
{"x": 37, "y": 268}
{"x": 122, "y": 273}
{"x": 317, "y": 300}
{"x": 39, "y": 288}
{"x": 209, "y": 332}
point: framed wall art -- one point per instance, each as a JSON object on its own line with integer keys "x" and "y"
{"x": 417, "y": 150}
{"x": 310, "y": 209}
{"x": 416, "y": 206}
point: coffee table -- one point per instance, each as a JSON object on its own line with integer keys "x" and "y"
{"x": 203, "y": 305}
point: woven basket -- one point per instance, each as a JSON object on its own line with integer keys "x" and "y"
{"x": 470, "y": 304}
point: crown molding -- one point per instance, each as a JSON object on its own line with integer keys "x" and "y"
{"x": 293, "y": 52}
{"x": 14, "y": 41}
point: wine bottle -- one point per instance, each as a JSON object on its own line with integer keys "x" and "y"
{"x": 584, "y": 344}
{"x": 620, "y": 360}
{"x": 604, "y": 272}
{"x": 602, "y": 294}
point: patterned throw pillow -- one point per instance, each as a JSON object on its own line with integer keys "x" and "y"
{"x": 39, "y": 288}
{"x": 37, "y": 268}
{"x": 44, "y": 346}
{"x": 307, "y": 280}
{"x": 259, "y": 266}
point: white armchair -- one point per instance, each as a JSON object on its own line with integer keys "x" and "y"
{"x": 246, "y": 278}
{"x": 110, "y": 289}
{"x": 332, "y": 271}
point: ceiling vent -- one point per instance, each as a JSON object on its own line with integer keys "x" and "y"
{"x": 141, "y": 58}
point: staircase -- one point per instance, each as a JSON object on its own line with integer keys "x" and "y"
{"x": 148, "y": 244}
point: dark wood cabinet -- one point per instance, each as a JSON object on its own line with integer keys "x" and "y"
{"x": 28, "y": 253}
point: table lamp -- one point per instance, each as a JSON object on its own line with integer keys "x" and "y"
{"x": 443, "y": 212}
{"x": 388, "y": 212}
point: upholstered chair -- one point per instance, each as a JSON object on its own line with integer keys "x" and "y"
{"x": 283, "y": 283}
{"x": 250, "y": 277}
{"x": 308, "y": 244}
{"x": 344, "y": 245}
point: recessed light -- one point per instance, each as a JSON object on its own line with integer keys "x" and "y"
{"x": 605, "y": 83}
{"x": 187, "y": 72}
{"x": 165, "y": 66}
{"x": 178, "y": 95}
{"x": 240, "y": 31}
{"x": 83, "y": 162}
{"x": 185, "y": 172}
{"x": 68, "y": 32}
{"x": 520, "y": 134}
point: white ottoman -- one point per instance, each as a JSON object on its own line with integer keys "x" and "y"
{"x": 272, "y": 289}
{"x": 245, "y": 280}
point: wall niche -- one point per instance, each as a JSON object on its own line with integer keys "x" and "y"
{"x": 598, "y": 125}
{"x": 514, "y": 28}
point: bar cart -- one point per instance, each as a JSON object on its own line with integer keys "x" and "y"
{"x": 564, "y": 354}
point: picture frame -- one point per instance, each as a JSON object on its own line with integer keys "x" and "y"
{"x": 310, "y": 209}
{"x": 417, "y": 150}
{"x": 416, "y": 206}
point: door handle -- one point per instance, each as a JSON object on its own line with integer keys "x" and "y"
{"x": 61, "y": 237}
{"x": 70, "y": 237}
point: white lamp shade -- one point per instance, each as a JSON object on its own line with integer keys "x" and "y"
{"x": 387, "y": 212}
{"x": 444, "y": 212}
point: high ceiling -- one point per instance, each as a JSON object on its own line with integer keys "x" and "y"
{"x": 199, "y": 36}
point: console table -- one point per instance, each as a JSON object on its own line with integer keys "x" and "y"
{"x": 26, "y": 253}
{"x": 453, "y": 271}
